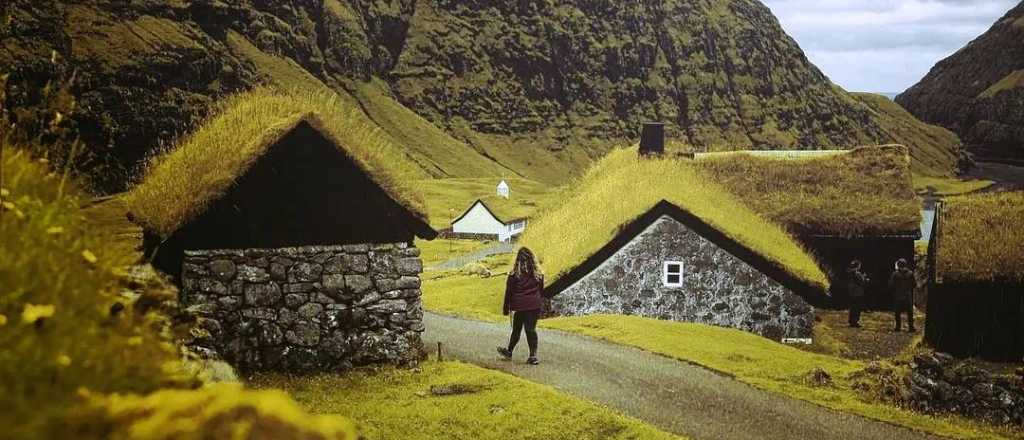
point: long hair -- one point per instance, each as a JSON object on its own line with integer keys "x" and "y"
{"x": 526, "y": 265}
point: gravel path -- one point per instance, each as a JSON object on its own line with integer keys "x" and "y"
{"x": 672, "y": 395}
{"x": 457, "y": 262}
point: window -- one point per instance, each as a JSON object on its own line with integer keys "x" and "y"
{"x": 672, "y": 274}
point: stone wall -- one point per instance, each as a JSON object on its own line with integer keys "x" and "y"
{"x": 718, "y": 288}
{"x": 306, "y": 309}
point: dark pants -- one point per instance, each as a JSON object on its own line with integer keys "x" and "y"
{"x": 856, "y": 304}
{"x": 904, "y": 306}
{"x": 528, "y": 320}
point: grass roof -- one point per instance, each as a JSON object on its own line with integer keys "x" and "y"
{"x": 181, "y": 184}
{"x": 866, "y": 191}
{"x": 980, "y": 239}
{"x": 620, "y": 188}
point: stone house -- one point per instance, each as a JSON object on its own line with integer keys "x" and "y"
{"x": 670, "y": 264}
{"x": 302, "y": 259}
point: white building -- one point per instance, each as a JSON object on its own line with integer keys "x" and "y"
{"x": 479, "y": 219}
{"x": 503, "y": 189}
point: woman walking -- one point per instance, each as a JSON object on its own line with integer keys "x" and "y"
{"x": 524, "y": 298}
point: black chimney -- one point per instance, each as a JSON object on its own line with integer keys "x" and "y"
{"x": 652, "y": 139}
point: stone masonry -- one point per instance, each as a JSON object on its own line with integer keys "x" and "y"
{"x": 718, "y": 288}
{"x": 314, "y": 308}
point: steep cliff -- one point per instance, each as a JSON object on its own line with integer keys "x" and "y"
{"x": 469, "y": 87}
{"x": 978, "y": 92}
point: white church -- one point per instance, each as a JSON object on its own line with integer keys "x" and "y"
{"x": 483, "y": 221}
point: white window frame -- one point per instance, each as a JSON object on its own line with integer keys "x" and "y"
{"x": 665, "y": 273}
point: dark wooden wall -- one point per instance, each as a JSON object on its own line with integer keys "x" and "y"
{"x": 985, "y": 320}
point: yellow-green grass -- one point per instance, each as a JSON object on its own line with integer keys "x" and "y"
{"x": 59, "y": 277}
{"x": 620, "y": 188}
{"x": 948, "y": 186}
{"x": 1011, "y": 81}
{"x": 447, "y": 199}
{"x": 980, "y": 238}
{"x": 747, "y": 357}
{"x": 179, "y": 185}
{"x": 934, "y": 150}
{"x": 219, "y": 411}
{"x": 399, "y": 404}
{"x": 439, "y": 250}
{"x": 864, "y": 192}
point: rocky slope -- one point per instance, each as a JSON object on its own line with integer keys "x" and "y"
{"x": 978, "y": 92}
{"x": 471, "y": 88}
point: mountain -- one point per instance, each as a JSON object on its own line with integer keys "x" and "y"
{"x": 978, "y": 92}
{"x": 470, "y": 88}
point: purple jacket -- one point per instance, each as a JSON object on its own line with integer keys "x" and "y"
{"x": 523, "y": 294}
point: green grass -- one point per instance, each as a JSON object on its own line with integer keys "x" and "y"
{"x": 439, "y": 250}
{"x": 447, "y": 199}
{"x": 178, "y": 185}
{"x": 948, "y": 186}
{"x": 980, "y": 238}
{"x": 59, "y": 277}
{"x": 934, "y": 150}
{"x": 397, "y": 403}
{"x": 620, "y": 188}
{"x": 747, "y": 357}
{"x": 1011, "y": 81}
{"x": 866, "y": 191}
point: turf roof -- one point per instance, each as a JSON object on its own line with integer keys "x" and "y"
{"x": 865, "y": 192}
{"x": 979, "y": 239}
{"x": 179, "y": 185}
{"x": 621, "y": 188}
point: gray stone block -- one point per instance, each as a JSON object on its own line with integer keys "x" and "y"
{"x": 358, "y": 284}
{"x": 311, "y": 310}
{"x": 224, "y": 270}
{"x": 264, "y": 314}
{"x": 262, "y": 294}
{"x": 298, "y": 287}
{"x": 409, "y": 282}
{"x": 409, "y": 266}
{"x": 253, "y": 274}
{"x": 305, "y": 272}
{"x": 294, "y": 300}
{"x": 357, "y": 263}
{"x": 305, "y": 334}
{"x": 384, "y": 283}
{"x": 356, "y": 248}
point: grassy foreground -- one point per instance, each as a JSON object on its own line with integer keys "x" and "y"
{"x": 747, "y": 357}
{"x": 81, "y": 360}
{"x": 396, "y": 403}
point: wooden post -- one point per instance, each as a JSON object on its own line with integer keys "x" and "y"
{"x": 440, "y": 356}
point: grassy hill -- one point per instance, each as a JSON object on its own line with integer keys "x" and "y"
{"x": 447, "y": 199}
{"x": 934, "y": 150}
{"x": 538, "y": 91}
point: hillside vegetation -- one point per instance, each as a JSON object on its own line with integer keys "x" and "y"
{"x": 977, "y": 91}
{"x": 447, "y": 199}
{"x": 934, "y": 150}
{"x": 621, "y": 187}
{"x": 468, "y": 89}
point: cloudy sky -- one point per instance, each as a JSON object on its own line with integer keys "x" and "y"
{"x": 884, "y": 45}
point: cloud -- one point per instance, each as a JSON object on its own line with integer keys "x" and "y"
{"x": 884, "y": 45}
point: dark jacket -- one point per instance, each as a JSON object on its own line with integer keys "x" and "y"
{"x": 523, "y": 294}
{"x": 901, "y": 284}
{"x": 856, "y": 281}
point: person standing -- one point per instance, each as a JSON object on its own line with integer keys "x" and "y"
{"x": 901, "y": 284}
{"x": 524, "y": 290}
{"x": 856, "y": 282}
